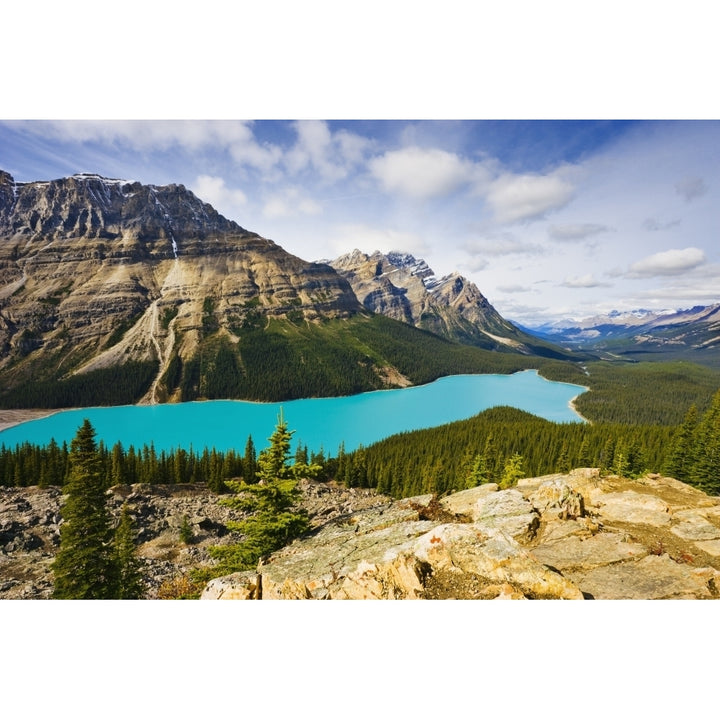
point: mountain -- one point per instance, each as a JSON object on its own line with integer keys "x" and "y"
{"x": 115, "y": 292}
{"x": 405, "y": 288}
{"x": 692, "y": 334}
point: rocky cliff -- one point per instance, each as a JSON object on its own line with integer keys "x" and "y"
{"x": 569, "y": 536}
{"x": 404, "y": 288}
{"x": 95, "y": 272}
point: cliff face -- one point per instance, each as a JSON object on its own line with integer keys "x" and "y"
{"x": 405, "y": 288}
{"x": 95, "y": 272}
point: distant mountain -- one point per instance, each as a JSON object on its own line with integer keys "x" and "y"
{"x": 693, "y": 333}
{"x": 114, "y": 292}
{"x": 405, "y": 288}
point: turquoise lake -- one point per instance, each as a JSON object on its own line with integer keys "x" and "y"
{"x": 318, "y": 422}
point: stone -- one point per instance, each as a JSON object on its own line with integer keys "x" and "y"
{"x": 711, "y": 547}
{"x": 600, "y": 549}
{"x": 630, "y": 506}
{"x": 558, "y": 498}
{"x": 463, "y": 502}
{"x": 238, "y": 586}
{"x": 508, "y": 511}
{"x": 653, "y": 577}
{"x": 694, "y": 526}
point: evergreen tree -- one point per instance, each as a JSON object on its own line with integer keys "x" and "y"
{"x": 250, "y": 462}
{"x": 84, "y": 566}
{"x": 130, "y": 585}
{"x": 512, "y": 471}
{"x": 705, "y": 467}
{"x": 274, "y": 521}
{"x": 679, "y": 460}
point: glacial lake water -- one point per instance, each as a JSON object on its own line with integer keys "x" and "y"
{"x": 318, "y": 422}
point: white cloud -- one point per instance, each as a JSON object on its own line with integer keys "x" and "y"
{"x": 331, "y": 155}
{"x": 213, "y": 190}
{"x": 514, "y": 198}
{"x": 290, "y": 202}
{"x": 235, "y": 136}
{"x": 421, "y": 173}
{"x": 691, "y": 188}
{"x": 670, "y": 262}
{"x": 583, "y": 281}
{"x": 576, "y": 231}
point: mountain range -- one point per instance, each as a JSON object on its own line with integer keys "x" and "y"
{"x": 112, "y": 291}
{"x": 404, "y": 288}
{"x": 692, "y": 334}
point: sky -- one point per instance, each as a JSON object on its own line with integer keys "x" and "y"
{"x": 551, "y": 219}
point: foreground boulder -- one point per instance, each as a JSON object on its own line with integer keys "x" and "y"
{"x": 564, "y": 536}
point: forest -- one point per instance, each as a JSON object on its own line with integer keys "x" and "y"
{"x": 642, "y": 418}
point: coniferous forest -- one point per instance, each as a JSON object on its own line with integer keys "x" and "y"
{"x": 642, "y": 418}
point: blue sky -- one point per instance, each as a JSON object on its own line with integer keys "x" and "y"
{"x": 549, "y": 218}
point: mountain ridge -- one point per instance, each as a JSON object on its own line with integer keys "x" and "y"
{"x": 114, "y": 292}
{"x": 405, "y": 288}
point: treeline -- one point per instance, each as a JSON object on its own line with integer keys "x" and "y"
{"x": 117, "y": 385}
{"x": 28, "y": 464}
{"x": 496, "y": 442}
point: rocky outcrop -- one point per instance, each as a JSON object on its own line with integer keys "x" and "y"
{"x": 561, "y": 536}
{"x": 404, "y": 288}
{"x": 30, "y": 521}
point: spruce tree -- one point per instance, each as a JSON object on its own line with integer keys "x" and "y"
{"x": 84, "y": 567}
{"x": 274, "y": 520}
{"x": 130, "y": 585}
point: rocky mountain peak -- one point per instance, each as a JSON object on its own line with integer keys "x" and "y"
{"x": 405, "y": 288}
{"x": 90, "y": 206}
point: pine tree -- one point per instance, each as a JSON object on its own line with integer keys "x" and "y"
{"x": 84, "y": 566}
{"x": 130, "y": 585}
{"x": 274, "y": 521}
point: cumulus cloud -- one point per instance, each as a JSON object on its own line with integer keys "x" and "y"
{"x": 235, "y": 136}
{"x": 289, "y": 202}
{"x": 691, "y": 188}
{"x": 576, "y": 231}
{"x": 583, "y": 281}
{"x": 670, "y": 262}
{"x": 421, "y": 173}
{"x": 331, "y": 155}
{"x": 213, "y": 190}
{"x": 514, "y": 198}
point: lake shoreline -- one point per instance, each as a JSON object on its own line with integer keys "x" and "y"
{"x": 318, "y": 423}
{"x": 12, "y": 417}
